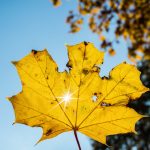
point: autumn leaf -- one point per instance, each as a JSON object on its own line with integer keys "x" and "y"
{"x": 56, "y": 3}
{"x": 111, "y": 52}
{"x": 78, "y": 99}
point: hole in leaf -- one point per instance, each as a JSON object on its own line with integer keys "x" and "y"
{"x": 69, "y": 66}
{"x": 94, "y": 98}
{"x": 104, "y": 104}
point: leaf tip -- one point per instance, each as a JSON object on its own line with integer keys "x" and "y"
{"x": 8, "y": 98}
{"x": 38, "y": 142}
{"x": 45, "y": 50}
{"x": 33, "y": 51}
{"x": 14, "y": 62}
{"x": 135, "y": 132}
{"x": 66, "y": 44}
{"x": 14, "y": 123}
{"x": 86, "y": 43}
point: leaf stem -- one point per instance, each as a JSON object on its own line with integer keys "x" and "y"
{"x": 77, "y": 140}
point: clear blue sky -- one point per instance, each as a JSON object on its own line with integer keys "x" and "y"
{"x": 36, "y": 24}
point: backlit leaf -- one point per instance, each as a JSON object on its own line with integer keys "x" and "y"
{"x": 79, "y": 99}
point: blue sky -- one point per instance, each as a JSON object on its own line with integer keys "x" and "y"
{"x": 36, "y": 24}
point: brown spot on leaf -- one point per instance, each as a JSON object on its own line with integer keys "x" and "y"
{"x": 95, "y": 93}
{"x": 85, "y": 43}
{"x": 34, "y": 51}
{"x": 49, "y": 132}
{"x": 85, "y": 71}
{"x": 104, "y": 77}
{"x": 86, "y": 58}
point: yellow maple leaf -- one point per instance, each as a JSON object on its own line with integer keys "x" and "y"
{"x": 78, "y": 100}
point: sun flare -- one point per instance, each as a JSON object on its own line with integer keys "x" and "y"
{"x": 67, "y": 97}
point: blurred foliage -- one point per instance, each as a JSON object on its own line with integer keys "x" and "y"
{"x": 141, "y": 141}
{"x": 56, "y": 3}
{"x": 127, "y": 19}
